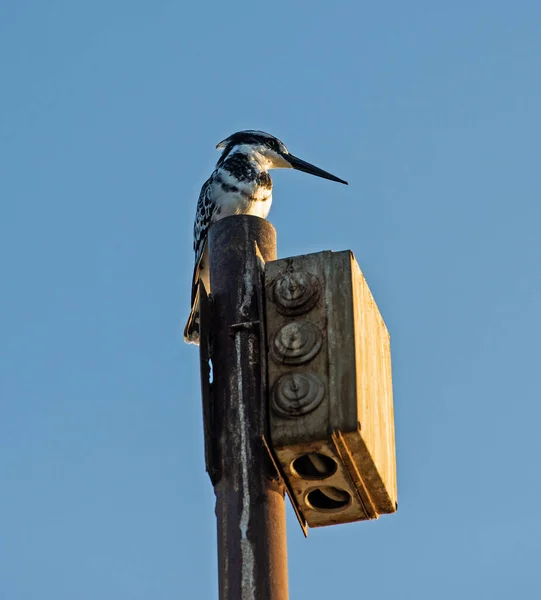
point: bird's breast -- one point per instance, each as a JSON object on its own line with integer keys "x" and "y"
{"x": 241, "y": 197}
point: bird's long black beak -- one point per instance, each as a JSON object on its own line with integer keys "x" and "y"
{"x": 306, "y": 167}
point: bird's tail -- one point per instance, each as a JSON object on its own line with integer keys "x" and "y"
{"x": 191, "y": 331}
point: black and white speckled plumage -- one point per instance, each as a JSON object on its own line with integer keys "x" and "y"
{"x": 240, "y": 185}
{"x": 236, "y": 176}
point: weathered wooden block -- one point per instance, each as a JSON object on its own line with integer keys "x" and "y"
{"x": 331, "y": 406}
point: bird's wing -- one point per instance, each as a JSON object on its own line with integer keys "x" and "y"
{"x": 200, "y": 269}
{"x": 203, "y": 219}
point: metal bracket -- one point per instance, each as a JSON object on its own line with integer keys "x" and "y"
{"x": 354, "y": 475}
{"x": 249, "y": 325}
{"x": 291, "y": 496}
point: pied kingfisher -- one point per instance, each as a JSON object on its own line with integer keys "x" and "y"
{"x": 240, "y": 185}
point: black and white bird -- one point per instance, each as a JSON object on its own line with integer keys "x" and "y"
{"x": 240, "y": 185}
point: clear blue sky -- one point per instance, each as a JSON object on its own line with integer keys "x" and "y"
{"x": 109, "y": 114}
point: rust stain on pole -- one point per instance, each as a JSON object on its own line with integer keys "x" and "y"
{"x": 250, "y": 508}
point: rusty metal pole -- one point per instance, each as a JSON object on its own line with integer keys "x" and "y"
{"x": 250, "y": 509}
